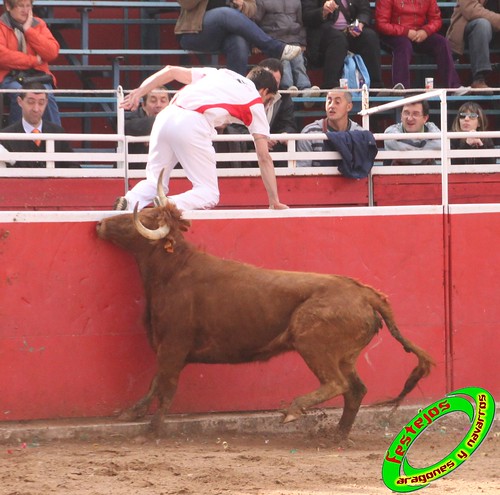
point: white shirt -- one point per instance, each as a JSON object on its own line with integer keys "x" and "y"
{"x": 224, "y": 97}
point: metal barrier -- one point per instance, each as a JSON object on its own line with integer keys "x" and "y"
{"x": 114, "y": 161}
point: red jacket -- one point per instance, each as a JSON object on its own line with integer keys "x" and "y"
{"x": 39, "y": 41}
{"x": 397, "y": 17}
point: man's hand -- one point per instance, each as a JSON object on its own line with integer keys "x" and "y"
{"x": 356, "y": 31}
{"x": 329, "y": 7}
{"x": 132, "y": 100}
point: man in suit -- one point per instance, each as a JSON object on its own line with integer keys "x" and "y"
{"x": 33, "y": 103}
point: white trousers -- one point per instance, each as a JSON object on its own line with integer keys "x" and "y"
{"x": 182, "y": 136}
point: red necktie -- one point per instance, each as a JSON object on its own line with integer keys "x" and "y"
{"x": 37, "y": 141}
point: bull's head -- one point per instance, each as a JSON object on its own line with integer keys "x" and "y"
{"x": 163, "y": 222}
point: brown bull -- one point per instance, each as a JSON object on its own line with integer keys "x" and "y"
{"x": 203, "y": 309}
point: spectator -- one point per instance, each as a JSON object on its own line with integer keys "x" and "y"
{"x": 33, "y": 104}
{"x": 226, "y": 26}
{"x": 283, "y": 21}
{"x": 408, "y": 27}
{"x": 338, "y": 105}
{"x": 183, "y": 132}
{"x": 26, "y": 48}
{"x": 330, "y": 36}
{"x": 475, "y": 23}
{"x": 280, "y": 114}
{"x": 5, "y": 161}
{"x": 471, "y": 118}
{"x": 140, "y": 122}
{"x": 414, "y": 118}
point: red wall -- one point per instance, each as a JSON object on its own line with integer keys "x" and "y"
{"x": 72, "y": 342}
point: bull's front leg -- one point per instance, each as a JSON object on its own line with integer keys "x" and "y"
{"x": 171, "y": 361}
{"x": 140, "y": 408}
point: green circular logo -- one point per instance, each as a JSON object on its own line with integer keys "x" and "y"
{"x": 400, "y": 476}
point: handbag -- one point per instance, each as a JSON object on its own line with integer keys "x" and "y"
{"x": 31, "y": 76}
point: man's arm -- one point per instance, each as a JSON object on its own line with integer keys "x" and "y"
{"x": 267, "y": 171}
{"x": 472, "y": 9}
{"x": 164, "y": 76}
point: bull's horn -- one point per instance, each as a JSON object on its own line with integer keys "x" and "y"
{"x": 161, "y": 197}
{"x": 160, "y": 233}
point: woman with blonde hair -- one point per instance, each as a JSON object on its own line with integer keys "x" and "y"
{"x": 471, "y": 118}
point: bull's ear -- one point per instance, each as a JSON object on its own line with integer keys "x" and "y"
{"x": 184, "y": 225}
{"x": 169, "y": 244}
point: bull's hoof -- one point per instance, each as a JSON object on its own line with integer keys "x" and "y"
{"x": 291, "y": 417}
{"x": 343, "y": 442}
{"x": 156, "y": 426}
{"x": 128, "y": 415}
{"x": 132, "y": 414}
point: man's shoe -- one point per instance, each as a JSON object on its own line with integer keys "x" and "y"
{"x": 481, "y": 84}
{"x": 121, "y": 203}
{"x": 462, "y": 90}
{"x": 290, "y": 52}
{"x": 394, "y": 92}
{"x": 293, "y": 91}
{"x": 312, "y": 92}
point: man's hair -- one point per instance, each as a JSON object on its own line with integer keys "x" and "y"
{"x": 263, "y": 79}
{"x": 347, "y": 94}
{"x": 159, "y": 88}
{"x": 425, "y": 106}
{"x": 33, "y": 87}
{"x": 272, "y": 64}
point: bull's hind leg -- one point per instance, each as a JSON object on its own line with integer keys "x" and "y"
{"x": 332, "y": 381}
{"x": 140, "y": 408}
{"x": 352, "y": 402}
{"x": 337, "y": 376}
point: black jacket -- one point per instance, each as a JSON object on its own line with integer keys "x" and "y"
{"x": 358, "y": 150}
{"x": 30, "y": 146}
{"x": 461, "y": 144}
{"x": 312, "y": 17}
{"x": 138, "y": 124}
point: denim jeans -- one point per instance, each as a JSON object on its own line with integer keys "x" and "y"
{"x": 478, "y": 34}
{"x": 51, "y": 112}
{"x": 295, "y": 74}
{"x": 229, "y": 31}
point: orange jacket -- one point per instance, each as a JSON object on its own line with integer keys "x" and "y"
{"x": 39, "y": 41}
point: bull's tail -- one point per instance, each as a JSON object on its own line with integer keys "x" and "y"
{"x": 381, "y": 304}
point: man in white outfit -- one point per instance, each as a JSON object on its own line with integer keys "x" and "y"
{"x": 183, "y": 132}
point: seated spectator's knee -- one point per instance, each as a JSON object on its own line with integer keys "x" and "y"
{"x": 236, "y": 44}
{"x": 480, "y": 27}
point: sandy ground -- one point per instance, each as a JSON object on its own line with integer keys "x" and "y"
{"x": 236, "y": 464}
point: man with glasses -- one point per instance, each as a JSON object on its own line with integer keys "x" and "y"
{"x": 414, "y": 118}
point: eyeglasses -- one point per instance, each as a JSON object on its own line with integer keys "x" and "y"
{"x": 414, "y": 115}
{"x": 471, "y": 115}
